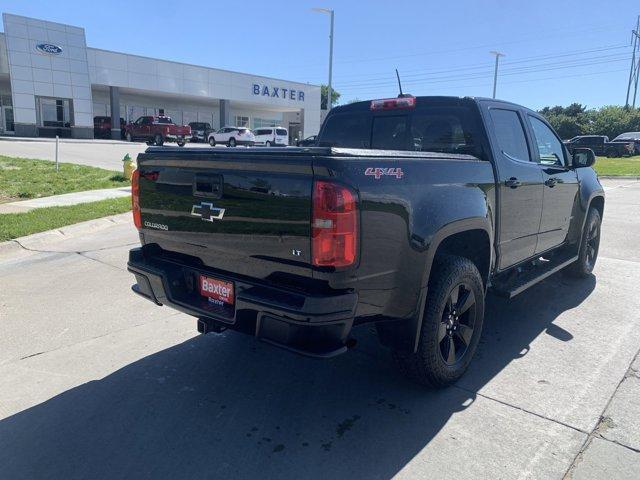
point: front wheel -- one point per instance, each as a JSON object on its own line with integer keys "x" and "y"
{"x": 589, "y": 246}
{"x": 181, "y": 144}
{"x": 612, "y": 153}
{"x": 128, "y": 137}
{"x": 268, "y": 144}
{"x": 232, "y": 142}
{"x": 158, "y": 140}
{"x": 451, "y": 324}
{"x": 212, "y": 141}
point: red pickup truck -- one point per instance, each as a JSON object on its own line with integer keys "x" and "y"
{"x": 157, "y": 130}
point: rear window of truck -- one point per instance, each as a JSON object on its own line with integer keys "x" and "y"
{"x": 435, "y": 129}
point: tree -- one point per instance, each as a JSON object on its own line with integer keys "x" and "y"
{"x": 568, "y": 121}
{"x": 323, "y": 96}
{"x": 611, "y": 120}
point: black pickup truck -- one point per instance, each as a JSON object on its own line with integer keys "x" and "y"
{"x": 601, "y": 145}
{"x": 405, "y": 213}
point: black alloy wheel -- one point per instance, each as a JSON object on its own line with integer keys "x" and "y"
{"x": 457, "y": 324}
{"x": 589, "y": 246}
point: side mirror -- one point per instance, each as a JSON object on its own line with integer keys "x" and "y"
{"x": 583, "y": 157}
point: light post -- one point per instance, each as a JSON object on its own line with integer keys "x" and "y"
{"x": 329, "y": 90}
{"x": 495, "y": 72}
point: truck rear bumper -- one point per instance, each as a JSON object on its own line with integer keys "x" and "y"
{"x": 315, "y": 325}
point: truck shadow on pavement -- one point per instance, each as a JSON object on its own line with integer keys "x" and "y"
{"x": 227, "y": 406}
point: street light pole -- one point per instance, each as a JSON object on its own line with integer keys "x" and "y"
{"x": 329, "y": 89}
{"x": 495, "y": 72}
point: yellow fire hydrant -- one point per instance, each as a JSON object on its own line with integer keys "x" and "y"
{"x": 128, "y": 167}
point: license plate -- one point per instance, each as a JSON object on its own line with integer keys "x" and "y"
{"x": 217, "y": 291}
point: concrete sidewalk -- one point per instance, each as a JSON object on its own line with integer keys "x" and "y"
{"x": 64, "y": 200}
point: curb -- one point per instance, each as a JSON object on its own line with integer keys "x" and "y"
{"x": 23, "y": 245}
{"x": 619, "y": 177}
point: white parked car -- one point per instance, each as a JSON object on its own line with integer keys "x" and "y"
{"x": 271, "y": 136}
{"x": 232, "y": 136}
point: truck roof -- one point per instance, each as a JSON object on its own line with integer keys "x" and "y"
{"x": 444, "y": 99}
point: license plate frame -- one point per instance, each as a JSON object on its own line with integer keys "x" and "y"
{"x": 217, "y": 291}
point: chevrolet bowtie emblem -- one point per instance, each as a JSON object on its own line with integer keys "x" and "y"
{"x": 207, "y": 212}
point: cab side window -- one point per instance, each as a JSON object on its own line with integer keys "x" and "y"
{"x": 550, "y": 150}
{"x": 510, "y": 134}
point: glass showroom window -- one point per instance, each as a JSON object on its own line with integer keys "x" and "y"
{"x": 242, "y": 121}
{"x": 54, "y": 112}
{"x": 265, "y": 122}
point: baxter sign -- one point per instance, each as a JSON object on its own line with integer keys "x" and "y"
{"x": 278, "y": 92}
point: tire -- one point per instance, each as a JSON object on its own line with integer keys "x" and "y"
{"x": 267, "y": 143}
{"x": 612, "y": 153}
{"x": 232, "y": 142}
{"x": 128, "y": 137}
{"x": 589, "y": 246}
{"x": 453, "y": 316}
{"x": 181, "y": 144}
{"x": 158, "y": 140}
{"x": 212, "y": 141}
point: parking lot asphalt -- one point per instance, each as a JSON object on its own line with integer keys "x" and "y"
{"x": 98, "y": 383}
{"x": 99, "y": 154}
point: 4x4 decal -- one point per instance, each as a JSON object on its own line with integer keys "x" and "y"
{"x": 378, "y": 172}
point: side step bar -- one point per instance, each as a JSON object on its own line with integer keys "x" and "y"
{"x": 510, "y": 289}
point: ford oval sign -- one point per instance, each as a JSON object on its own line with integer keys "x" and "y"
{"x": 49, "y": 48}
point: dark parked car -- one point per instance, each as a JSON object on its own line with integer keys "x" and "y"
{"x": 102, "y": 127}
{"x": 601, "y": 145}
{"x": 308, "y": 142}
{"x": 200, "y": 131}
{"x": 630, "y": 137}
{"x": 403, "y": 216}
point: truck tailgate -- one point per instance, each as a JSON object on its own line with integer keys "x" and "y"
{"x": 237, "y": 211}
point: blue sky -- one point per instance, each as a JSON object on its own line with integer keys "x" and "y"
{"x": 557, "y": 52}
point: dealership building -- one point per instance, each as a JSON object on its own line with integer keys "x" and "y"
{"x": 51, "y": 84}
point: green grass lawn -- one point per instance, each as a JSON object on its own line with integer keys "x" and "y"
{"x": 618, "y": 166}
{"x": 13, "y": 225}
{"x": 22, "y": 179}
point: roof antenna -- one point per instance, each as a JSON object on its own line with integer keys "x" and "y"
{"x": 402, "y": 95}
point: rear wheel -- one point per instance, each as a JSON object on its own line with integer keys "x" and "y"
{"x": 451, "y": 325}
{"x": 589, "y": 246}
{"x": 267, "y": 144}
{"x": 181, "y": 144}
{"x": 232, "y": 142}
{"x": 128, "y": 137}
{"x": 612, "y": 153}
{"x": 212, "y": 141}
{"x": 158, "y": 140}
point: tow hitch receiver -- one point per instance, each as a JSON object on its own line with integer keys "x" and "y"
{"x": 207, "y": 326}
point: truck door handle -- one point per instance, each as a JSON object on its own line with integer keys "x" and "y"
{"x": 513, "y": 182}
{"x": 551, "y": 182}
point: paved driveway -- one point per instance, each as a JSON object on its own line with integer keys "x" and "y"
{"x": 101, "y": 154}
{"x": 97, "y": 383}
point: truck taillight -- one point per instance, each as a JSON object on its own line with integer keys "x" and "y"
{"x": 334, "y": 225}
{"x": 393, "y": 103}
{"x": 135, "y": 198}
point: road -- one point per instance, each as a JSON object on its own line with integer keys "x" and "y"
{"x": 98, "y": 383}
